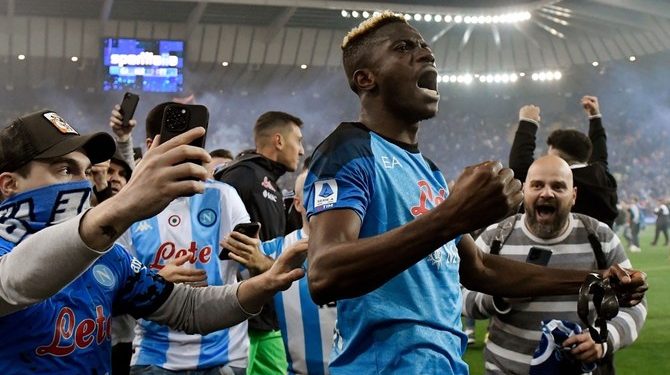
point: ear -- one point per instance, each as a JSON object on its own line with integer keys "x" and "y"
{"x": 574, "y": 195}
{"x": 8, "y": 184}
{"x": 297, "y": 203}
{"x": 148, "y": 142}
{"x": 364, "y": 80}
{"x": 278, "y": 140}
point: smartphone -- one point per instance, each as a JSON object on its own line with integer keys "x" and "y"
{"x": 180, "y": 118}
{"x": 539, "y": 255}
{"x": 247, "y": 229}
{"x": 128, "y": 106}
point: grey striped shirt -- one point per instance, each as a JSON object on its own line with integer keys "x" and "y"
{"x": 514, "y": 335}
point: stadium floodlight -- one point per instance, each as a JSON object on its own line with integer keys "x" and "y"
{"x": 595, "y": 63}
{"x": 458, "y": 19}
{"x": 632, "y": 59}
{"x": 448, "y": 18}
{"x": 438, "y": 18}
{"x": 427, "y": 17}
{"x": 354, "y": 14}
{"x": 21, "y": 57}
{"x": 344, "y": 13}
{"x": 366, "y": 14}
{"x": 417, "y": 17}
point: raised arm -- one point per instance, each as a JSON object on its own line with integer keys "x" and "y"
{"x": 123, "y": 135}
{"x": 343, "y": 266}
{"x": 521, "y": 155}
{"x": 597, "y": 133}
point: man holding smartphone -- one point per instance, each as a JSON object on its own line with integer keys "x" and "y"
{"x": 278, "y": 142}
{"x": 63, "y": 275}
{"x": 182, "y": 244}
{"x": 549, "y": 234}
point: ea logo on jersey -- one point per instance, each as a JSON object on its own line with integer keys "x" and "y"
{"x": 104, "y": 276}
{"x": 325, "y": 193}
{"x": 207, "y": 217}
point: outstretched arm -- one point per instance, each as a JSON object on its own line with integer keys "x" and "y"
{"x": 204, "y": 310}
{"x": 500, "y": 276}
{"x": 521, "y": 155}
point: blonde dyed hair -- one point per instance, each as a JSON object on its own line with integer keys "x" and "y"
{"x": 371, "y": 24}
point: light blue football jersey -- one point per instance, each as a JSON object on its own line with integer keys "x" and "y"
{"x": 307, "y": 329}
{"x": 411, "y": 324}
{"x": 191, "y": 225}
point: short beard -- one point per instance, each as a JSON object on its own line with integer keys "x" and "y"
{"x": 545, "y": 231}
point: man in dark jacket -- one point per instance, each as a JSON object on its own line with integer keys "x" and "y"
{"x": 587, "y": 157}
{"x": 254, "y": 175}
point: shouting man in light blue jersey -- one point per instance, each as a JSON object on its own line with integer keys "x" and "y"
{"x": 386, "y": 238}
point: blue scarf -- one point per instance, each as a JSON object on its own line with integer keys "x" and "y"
{"x": 550, "y": 358}
{"x": 33, "y": 210}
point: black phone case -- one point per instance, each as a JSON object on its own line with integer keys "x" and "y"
{"x": 247, "y": 229}
{"x": 198, "y": 115}
{"x": 539, "y": 256}
{"x": 128, "y": 107}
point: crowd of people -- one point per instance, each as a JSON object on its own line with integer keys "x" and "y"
{"x": 370, "y": 280}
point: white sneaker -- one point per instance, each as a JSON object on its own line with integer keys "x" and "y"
{"x": 635, "y": 249}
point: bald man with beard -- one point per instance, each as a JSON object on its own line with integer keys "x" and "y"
{"x": 515, "y": 326}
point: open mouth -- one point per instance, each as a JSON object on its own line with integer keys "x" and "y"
{"x": 428, "y": 80}
{"x": 545, "y": 211}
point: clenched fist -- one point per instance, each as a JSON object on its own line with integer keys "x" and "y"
{"x": 485, "y": 194}
{"x": 529, "y": 112}
{"x": 591, "y": 106}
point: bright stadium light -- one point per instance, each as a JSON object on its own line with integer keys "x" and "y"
{"x": 438, "y": 18}
{"x": 354, "y": 14}
{"x": 595, "y": 63}
{"x": 448, "y": 18}
{"x": 21, "y": 57}
{"x": 344, "y": 13}
{"x": 366, "y": 14}
{"x": 428, "y": 17}
{"x": 417, "y": 17}
{"x": 632, "y": 59}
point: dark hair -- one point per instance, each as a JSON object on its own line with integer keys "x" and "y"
{"x": 154, "y": 119}
{"x": 221, "y": 153}
{"x": 573, "y": 145}
{"x": 271, "y": 120}
{"x": 23, "y": 170}
{"x": 358, "y": 42}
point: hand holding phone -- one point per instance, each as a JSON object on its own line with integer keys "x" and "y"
{"x": 539, "y": 255}
{"x": 247, "y": 229}
{"x": 128, "y": 107}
